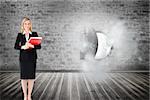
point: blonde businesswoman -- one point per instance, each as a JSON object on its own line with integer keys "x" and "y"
{"x": 27, "y": 58}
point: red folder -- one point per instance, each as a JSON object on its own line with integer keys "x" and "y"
{"x": 35, "y": 40}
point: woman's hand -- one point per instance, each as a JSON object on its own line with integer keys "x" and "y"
{"x": 29, "y": 45}
{"x": 24, "y": 47}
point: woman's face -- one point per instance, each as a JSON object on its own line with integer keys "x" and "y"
{"x": 27, "y": 25}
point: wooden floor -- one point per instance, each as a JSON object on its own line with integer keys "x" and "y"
{"x": 78, "y": 86}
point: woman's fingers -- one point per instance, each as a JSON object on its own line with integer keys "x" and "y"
{"x": 26, "y": 47}
{"x": 29, "y": 45}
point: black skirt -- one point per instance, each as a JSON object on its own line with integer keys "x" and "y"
{"x": 27, "y": 69}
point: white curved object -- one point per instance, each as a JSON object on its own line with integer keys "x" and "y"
{"x": 104, "y": 46}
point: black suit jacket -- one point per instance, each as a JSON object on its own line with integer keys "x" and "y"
{"x": 28, "y": 54}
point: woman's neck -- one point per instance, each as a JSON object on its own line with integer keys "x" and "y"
{"x": 27, "y": 31}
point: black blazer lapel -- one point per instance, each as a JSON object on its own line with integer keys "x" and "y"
{"x": 30, "y": 35}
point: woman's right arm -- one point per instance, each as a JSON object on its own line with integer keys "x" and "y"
{"x": 18, "y": 42}
{"x": 18, "y": 45}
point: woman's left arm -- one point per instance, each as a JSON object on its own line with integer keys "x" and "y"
{"x": 37, "y": 46}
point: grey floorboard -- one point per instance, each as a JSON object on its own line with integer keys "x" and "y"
{"x": 78, "y": 86}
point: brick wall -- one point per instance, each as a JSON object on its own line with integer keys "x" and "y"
{"x": 63, "y": 22}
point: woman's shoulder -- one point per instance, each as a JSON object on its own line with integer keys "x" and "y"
{"x": 33, "y": 32}
{"x": 20, "y": 34}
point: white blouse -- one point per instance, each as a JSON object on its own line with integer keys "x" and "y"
{"x": 27, "y": 35}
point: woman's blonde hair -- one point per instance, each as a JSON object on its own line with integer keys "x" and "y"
{"x": 22, "y": 23}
